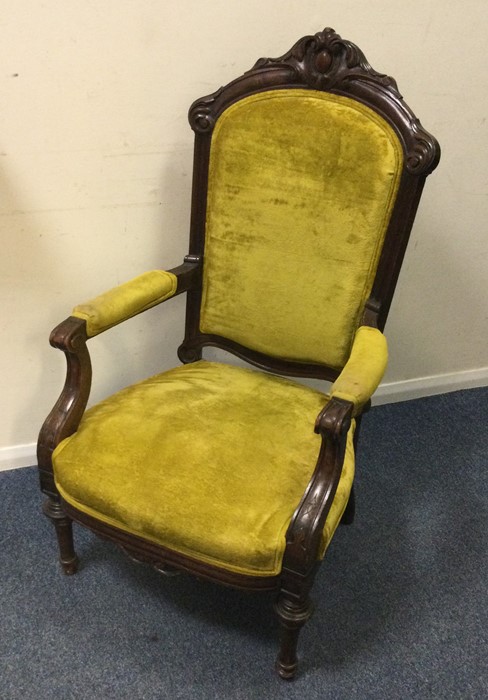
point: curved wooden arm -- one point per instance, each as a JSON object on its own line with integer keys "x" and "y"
{"x": 70, "y": 337}
{"x": 305, "y": 530}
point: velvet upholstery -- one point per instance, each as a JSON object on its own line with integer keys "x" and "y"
{"x": 308, "y": 170}
{"x": 207, "y": 459}
{"x": 299, "y": 180}
{"x": 126, "y": 300}
{"x": 364, "y": 369}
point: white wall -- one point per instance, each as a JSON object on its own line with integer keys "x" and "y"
{"x": 96, "y": 160}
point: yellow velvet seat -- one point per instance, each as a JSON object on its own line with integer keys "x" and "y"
{"x": 215, "y": 470}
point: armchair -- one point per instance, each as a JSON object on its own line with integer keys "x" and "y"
{"x": 308, "y": 172}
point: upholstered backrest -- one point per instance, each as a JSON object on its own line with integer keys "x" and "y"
{"x": 301, "y": 187}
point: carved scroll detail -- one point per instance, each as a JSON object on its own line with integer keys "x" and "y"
{"x": 201, "y": 116}
{"x": 324, "y": 59}
{"x": 188, "y": 353}
{"x": 423, "y": 155}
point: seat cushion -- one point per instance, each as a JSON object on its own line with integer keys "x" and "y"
{"x": 207, "y": 459}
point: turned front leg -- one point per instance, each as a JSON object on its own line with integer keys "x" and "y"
{"x": 292, "y": 615}
{"x": 64, "y": 533}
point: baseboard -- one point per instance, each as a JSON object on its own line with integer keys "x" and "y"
{"x": 430, "y": 386}
{"x": 18, "y": 456}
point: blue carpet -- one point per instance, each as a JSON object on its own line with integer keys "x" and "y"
{"x": 401, "y": 600}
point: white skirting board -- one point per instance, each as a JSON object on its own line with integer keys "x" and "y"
{"x": 430, "y": 386}
{"x": 17, "y": 456}
{"x": 25, "y": 455}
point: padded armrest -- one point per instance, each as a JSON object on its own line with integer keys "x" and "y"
{"x": 126, "y": 300}
{"x": 365, "y": 368}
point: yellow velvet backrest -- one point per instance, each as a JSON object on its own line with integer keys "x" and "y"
{"x": 301, "y": 189}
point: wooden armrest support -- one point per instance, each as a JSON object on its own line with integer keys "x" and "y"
{"x": 71, "y": 337}
{"x": 305, "y": 530}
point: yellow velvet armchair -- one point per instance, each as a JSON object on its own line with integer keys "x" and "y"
{"x": 308, "y": 172}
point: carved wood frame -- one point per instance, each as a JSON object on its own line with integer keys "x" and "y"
{"x": 320, "y": 62}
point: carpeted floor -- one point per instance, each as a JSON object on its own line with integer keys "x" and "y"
{"x": 401, "y": 601}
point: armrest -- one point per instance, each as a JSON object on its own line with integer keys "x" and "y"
{"x": 126, "y": 300}
{"x": 364, "y": 370}
{"x": 88, "y": 320}
{"x": 304, "y": 533}
{"x": 351, "y": 390}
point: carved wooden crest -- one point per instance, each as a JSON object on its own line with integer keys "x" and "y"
{"x": 324, "y": 61}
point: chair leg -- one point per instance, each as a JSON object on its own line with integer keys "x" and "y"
{"x": 350, "y": 510}
{"x": 292, "y": 614}
{"x": 64, "y": 532}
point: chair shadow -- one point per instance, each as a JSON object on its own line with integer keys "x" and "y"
{"x": 250, "y": 612}
{"x": 368, "y": 597}
{"x": 413, "y": 541}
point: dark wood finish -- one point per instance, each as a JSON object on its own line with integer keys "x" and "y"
{"x": 320, "y": 62}
{"x": 304, "y": 533}
{"x": 70, "y": 336}
{"x": 64, "y": 533}
{"x": 350, "y": 511}
{"x": 292, "y": 615}
{"x": 189, "y": 352}
{"x": 305, "y": 530}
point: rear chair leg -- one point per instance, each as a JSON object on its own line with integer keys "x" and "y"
{"x": 292, "y": 615}
{"x": 64, "y": 532}
{"x": 350, "y": 509}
